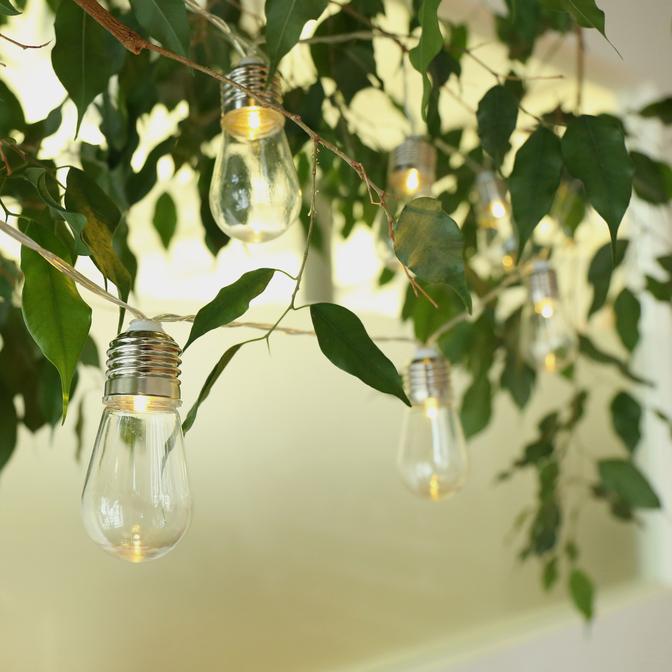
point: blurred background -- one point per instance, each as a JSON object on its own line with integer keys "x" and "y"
{"x": 305, "y": 552}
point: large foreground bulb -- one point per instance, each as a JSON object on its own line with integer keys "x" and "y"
{"x": 432, "y": 454}
{"x": 411, "y": 173}
{"x": 548, "y": 342}
{"x": 496, "y": 236}
{"x": 136, "y": 502}
{"x": 254, "y": 193}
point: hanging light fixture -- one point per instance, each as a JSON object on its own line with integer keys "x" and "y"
{"x": 433, "y": 460}
{"x": 254, "y": 194}
{"x": 548, "y": 342}
{"x": 136, "y": 502}
{"x": 496, "y": 237}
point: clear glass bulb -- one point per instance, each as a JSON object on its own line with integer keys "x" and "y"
{"x": 548, "y": 341}
{"x": 496, "y": 236}
{"x": 409, "y": 182}
{"x": 432, "y": 455}
{"x": 254, "y": 193}
{"x": 136, "y": 502}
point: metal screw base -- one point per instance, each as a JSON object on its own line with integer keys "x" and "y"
{"x": 428, "y": 376}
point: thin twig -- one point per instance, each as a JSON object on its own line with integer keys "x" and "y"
{"x": 68, "y": 270}
{"x": 580, "y": 67}
{"x": 21, "y": 44}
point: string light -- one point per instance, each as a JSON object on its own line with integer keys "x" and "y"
{"x": 496, "y": 237}
{"x": 548, "y": 342}
{"x": 254, "y": 193}
{"x": 432, "y": 459}
{"x": 136, "y": 502}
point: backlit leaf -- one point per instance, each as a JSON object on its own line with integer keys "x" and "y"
{"x": 166, "y": 21}
{"x": 428, "y": 47}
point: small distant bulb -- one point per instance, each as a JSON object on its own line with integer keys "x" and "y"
{"x": 548, "y": 341}
{"x": 432, "y": 459}
{"x": 136, "y": 502}
{"x": 254, "y": 193}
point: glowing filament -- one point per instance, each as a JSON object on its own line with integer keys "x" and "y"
{"x": 431, "y": 408}
{"x": 498, "y": 209}
{"x": 550, "y": 362}
{"x": 545, "y": 308}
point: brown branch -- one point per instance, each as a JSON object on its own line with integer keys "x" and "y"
{"x": 16, "y": 43}
{"x": 136, "y": 44}
{"x": 580, "y": 67}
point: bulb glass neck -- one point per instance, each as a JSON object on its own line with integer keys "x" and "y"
{"x": 243, "y": 112}
{"x": 143, "y": 362}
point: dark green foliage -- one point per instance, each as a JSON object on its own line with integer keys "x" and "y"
{"x": 626, "y": 417}
{"x": 497, "y": 115}
{"x": 600, "y": 272}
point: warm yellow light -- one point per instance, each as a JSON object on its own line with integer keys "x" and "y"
{"x": 498, "y": 209}
{"x": 140, "y": 403}
{"x": 253, "y": 122}
{"x": 435, "y": 488}
{"x": 431, "y": 408}
{"x": 550, "y": 362}
{"x": 545, "y": 308}
{"x": 412, "y": 180}
{"x": 508, "y": 262}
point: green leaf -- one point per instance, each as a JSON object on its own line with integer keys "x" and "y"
{"x": 660, "y": 290}
{"x": 600, "y": 271}
{"x": 345, "y": 343}
{"x": 518, "y": 378}
{"x": 209, "y": 382}
{"x": 595, "y": 153}
{"x": 476, "y": 407}
{"x": 231, "y": 302}
{"x": 7, "y": 9}
{"x": 89, "y": 356}
{"x": 56, "y": 316}
{"x": 582, "y": 592}
{"x": 550, "y": 576}
{"x": 589, "y": 349}
{"x": 84, "y": 196}
{"x": 586, "y": 13}
{"x": 628, "y": 311}
{"x": 8, "y": 422}
{"x": 626, "y": 417}
{"x": 165, "y": 218}
{"x": 660, "y": 109}
{"x": 285, "y": 20}
{"x": 497, "y": 115}
{"x": 428, "y": 47}
{"x": 430, "y": 243}
{"x": 11, "y": 112}
{"x": 534, "y": 181}
{"x": 652, "y": 179}
{"x": 84, "y": 57}
{"x": 622, "y": 479}
{"x": 165, "y": 20}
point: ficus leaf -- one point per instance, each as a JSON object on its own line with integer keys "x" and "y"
{"x": 84, "y": 57}
{"x": 208, "y": 385}
{"x": 534, "y": 181}
{"x": 231, "y": 302}
{"x": 476, "y": 407}
{"x": 102, "y": 217}
{"x": 165, "y": 20}
{"x": 497, "y": 115}
{"x": 628, "y": 311}
{"x": 589, "y": 349}
{"x": 165, "y": 218}
{"x": 56, "y": 316}
{"x": 626, "y": 417}
{"x": 344, "y": 342}
{"x": 600, "y": 271}
{"x": 660, "y": 290}
{"x": 428, "y": 47}
{"x": 518, "y": 378}
{"x": 595, "y": 153}
{"x": 550, "y": 575}
{"x": 624, "y": 480}
{"x": 7, "y": 9}
{"x": 652, "y": 179}
{"x": 660, "y": 109}
{"x": 430, "y": 243}
{"x": 285, "y": 20}
{"x": 11, "y": 112}
{"x": 582, "y": 592}
{"x": 8, "y": 422}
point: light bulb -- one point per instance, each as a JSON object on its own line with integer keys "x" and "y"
{"x": 254, "y": 193}
{"x": 548, "y": 341}
{"x": 496, "y": 237}
{"x": 432, "y": 454}
{"x": 411, "y": 173}
{"x": 136, "y": 502}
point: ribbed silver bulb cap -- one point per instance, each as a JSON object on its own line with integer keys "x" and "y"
{"x": 428, "y": 376}
{"x": 542, "y": 282}
{"x": 253, "y": 74}
{"x": 414, "y": 152}
{"x": 143, "y": 360}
